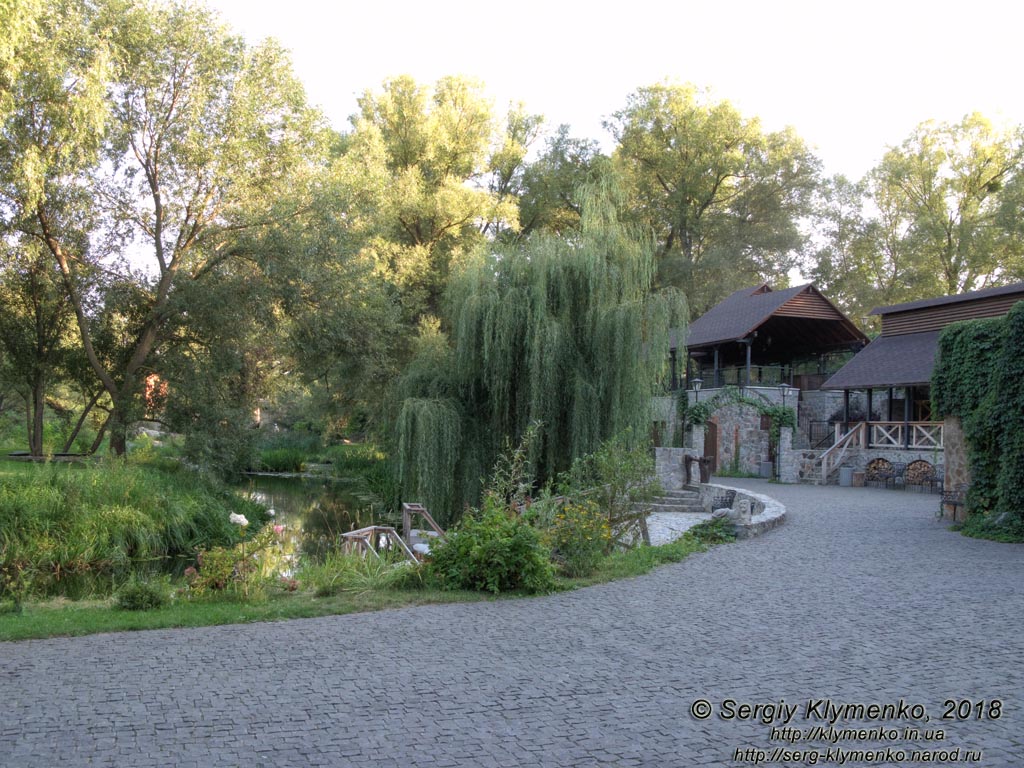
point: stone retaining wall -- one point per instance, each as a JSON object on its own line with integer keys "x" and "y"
{"x": 765, "y": 512}
{"x": 668, "y": 466}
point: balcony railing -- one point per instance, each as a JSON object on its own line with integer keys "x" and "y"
{"x": 915, "y": 435}
{"x": 900, "y": 435}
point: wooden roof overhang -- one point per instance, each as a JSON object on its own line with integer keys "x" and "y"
{"x": 780, "y": 326}
{"x": 904, "y": 354}
{"x": 889, "y": 361}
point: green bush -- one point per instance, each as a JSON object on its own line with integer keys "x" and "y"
{"x": 493, "y": 550}
{"x": 142, "y": 595}
{"x": 243, "y": 569}
{"x": 717, "y": 531}
{"x": 579, "y": 537}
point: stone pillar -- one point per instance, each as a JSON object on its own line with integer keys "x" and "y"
{"x": 954, "y": 450}
{"x": 788, "y": 458}
{"x": 697, "y": 439}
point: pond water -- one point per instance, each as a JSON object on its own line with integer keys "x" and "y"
{"x": 316, "y": 511}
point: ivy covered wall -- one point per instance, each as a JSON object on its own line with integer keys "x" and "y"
{"x": 979, "y": 377}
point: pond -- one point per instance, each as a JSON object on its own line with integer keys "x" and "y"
{"x": 316, "y": 511}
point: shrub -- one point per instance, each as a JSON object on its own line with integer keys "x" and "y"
{"x": 142, "y": 595}
{"x": 579, "y": 538}
{"x": 243, "y": 568}
{"x": 717, "y": 531}
{"x": 619, "y": 477}
{"x": 493, "y": 550}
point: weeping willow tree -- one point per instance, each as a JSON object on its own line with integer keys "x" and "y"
{"x": 563, "y": 332}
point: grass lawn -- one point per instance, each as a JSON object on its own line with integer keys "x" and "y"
{"x": 59, "y": 617}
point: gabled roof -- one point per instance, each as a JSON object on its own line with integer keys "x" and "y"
{"x": 889, "y": 361}
{"x": 737, "y": 315}
{"x": 744, "y": 311}
{"x": 985, "y": 293}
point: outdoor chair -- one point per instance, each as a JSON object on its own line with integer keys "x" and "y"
{"x": 938, "y": 479}
{"x": 897, "y": 476}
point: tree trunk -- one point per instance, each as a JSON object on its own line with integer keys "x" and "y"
{"x": 99, "y": 436}
{"x": 81, "y": 421}
{"x": 35, "y": 417}
{"x": 118, "y": 426}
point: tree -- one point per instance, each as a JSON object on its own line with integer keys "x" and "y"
{"x": 939, "y": 215}
{"x": 33, "y": 327}
{"x": 343, "y": 326}
{"x": 723, "y": 197}
{"x": 561, "y": 332}
{"x": 434, "y": 173}
{"x": 147, "y": 129}
{"x": 861, "y": 261}
{"x": 942, "y": 189}
{"x": 548, "y": 189}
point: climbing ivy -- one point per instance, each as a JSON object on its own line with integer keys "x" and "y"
{"x": 979, "y": 376}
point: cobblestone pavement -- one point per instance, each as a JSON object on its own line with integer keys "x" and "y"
{"x": 861, "y": 597}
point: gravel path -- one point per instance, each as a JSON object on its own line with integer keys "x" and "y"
{"x": 861, "y": 597}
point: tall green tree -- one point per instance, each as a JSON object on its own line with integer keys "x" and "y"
{"x": 942, "y": 189}
{"x": 435, "y": 172}
{"x": 150, "y": 144}
{"x": 940, "y": 214}
{"x": 724, "y": 197}
{"x": 561, "y": 332}
{"x": 549, "y": 185}
{"x": 862, "y": 259}
{"x": 33, "y": 323}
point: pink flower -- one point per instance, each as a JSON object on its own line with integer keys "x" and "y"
{"x": 278, "y": 530}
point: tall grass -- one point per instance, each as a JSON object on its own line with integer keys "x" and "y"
{"x": 75, "y": 530}
{"x": 368, "y": 462}
{"x": 282, "y": 460}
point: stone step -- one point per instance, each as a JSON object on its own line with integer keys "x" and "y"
{"x": 683, "y": 495}
{"x": 677, "y": 508}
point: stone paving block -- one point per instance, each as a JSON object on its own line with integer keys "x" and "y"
{"x": 863, "y": 596}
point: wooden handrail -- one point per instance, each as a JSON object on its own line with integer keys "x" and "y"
{"x": 832, "y": 458}
{"x": 365, "y": 540}
{"x": 410, "y": 509}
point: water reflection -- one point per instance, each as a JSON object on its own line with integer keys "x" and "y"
{"x": 316, "y": 511}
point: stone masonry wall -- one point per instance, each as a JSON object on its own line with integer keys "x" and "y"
{"x": 797, "y": 465}
{"x": 739, "y": 425}
{"x": 668, "y": 467}
{"x": 823, "y": 404}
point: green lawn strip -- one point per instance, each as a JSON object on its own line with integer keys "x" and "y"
{"x": 56, "y": 618}
{"x": 61, "y": 617}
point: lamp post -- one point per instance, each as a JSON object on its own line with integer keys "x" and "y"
{"x": 697, "y": 384}
{"x": 783, "y": 390}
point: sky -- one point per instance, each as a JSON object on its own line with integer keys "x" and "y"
{"x": 850, "y": 77}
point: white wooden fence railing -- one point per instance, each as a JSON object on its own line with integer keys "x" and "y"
{"x": 923, "y": 435}
{"x": 832, "y": 459}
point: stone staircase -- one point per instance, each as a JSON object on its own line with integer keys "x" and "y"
{"x": 683, "y": 501}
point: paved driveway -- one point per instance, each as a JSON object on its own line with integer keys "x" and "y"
{"x": 862, "y": 597}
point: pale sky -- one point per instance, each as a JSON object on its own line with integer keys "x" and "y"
{"x": 851, "y": 78}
